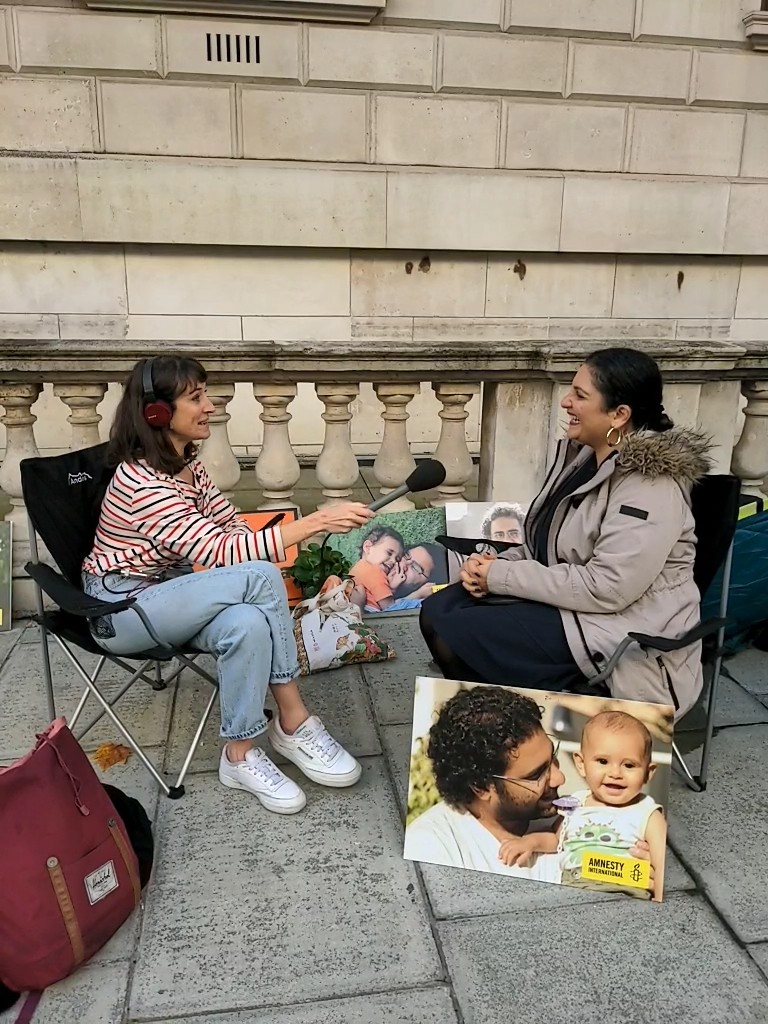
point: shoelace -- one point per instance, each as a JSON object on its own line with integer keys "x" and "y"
{"x": 265, "y": 771}
{"x": 323, "y": 743}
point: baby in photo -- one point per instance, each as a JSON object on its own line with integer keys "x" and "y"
{"x": 381, "y": 550}
{"x": 612, "y": 815}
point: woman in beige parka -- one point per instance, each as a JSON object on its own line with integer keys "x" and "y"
{"x": 609, "y": 549}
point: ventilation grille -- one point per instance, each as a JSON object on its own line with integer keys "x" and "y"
{"x": 226, "y": 48}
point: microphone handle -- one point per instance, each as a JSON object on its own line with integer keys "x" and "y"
{"x": 385, "y": 499}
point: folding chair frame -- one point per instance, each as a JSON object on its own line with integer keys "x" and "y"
{"x": 157, "y": 682}
{"x": 717, "y": 626}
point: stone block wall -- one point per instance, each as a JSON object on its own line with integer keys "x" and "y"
{"x": 589, "y": 169}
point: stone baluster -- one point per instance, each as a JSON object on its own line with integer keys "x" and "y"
{"x": 17, "y": 401}
{"x": 82, "y": 401}
{"x": 514, "y": 439}
{"x": 217, "y": 455}
{"x": 277, "y": 468}
{"x": 394, "y": 462}
{"x": 750, "y": 456}
{"x": 717, "y": 416}
{"x": 337, "y": 469}
{"x": 452, "y": 448}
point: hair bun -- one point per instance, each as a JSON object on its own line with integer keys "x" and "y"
{"x": 665, "y": 423}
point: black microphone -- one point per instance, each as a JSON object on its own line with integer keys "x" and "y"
{"x": 428, "y": 474}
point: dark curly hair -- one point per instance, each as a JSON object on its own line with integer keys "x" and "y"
{"x": 472, "y": 737}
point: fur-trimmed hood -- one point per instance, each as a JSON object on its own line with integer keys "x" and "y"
{"x": 679, "y": 453}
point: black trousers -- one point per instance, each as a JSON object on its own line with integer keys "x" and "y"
{"x": 519, "y": 643}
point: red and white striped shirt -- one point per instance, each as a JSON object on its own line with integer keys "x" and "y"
{"x": 151, "y": 521}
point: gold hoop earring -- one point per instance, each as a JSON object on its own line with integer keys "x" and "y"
{"x": 619, "y": 438}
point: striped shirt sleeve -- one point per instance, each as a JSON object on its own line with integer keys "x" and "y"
{"x": 215, "y": 505}
{"x": 161, "y": 514}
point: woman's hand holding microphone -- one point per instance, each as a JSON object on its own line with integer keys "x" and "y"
{"x": 339, "y": 518}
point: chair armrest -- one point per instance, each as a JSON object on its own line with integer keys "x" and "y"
{"x": 662, "y": 643}
{"x": 68, "y": 597}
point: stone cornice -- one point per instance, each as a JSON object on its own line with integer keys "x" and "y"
{"x": 500, "y": 359}
{"x": 360, "y": 11}
{"x": 756, "y": 24}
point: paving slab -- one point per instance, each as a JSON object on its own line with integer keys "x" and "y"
{"x": 132, "y": 778}
{"x": 759, "y": 954}
{"x": 456, "y": 892}
{"x": 391, "y": 682}
{"x": 413, "y": 1006}
{"x": 22, "y": 698}
{"x": 750, "y": 668}
{"x": 251, "y": 909}
{"x": 722, "y": 834}
{"x": 627, "y": 962}
{"x": 735, "y": 706}
{"x": 94, "y": 995}
{"x": 8, "y": 641}
{"x": 338, "y": 697}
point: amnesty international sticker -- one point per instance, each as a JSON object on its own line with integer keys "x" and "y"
{"x": 602, "y": 867}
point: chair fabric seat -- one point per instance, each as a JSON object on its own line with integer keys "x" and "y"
{"x": 76, "y": 631}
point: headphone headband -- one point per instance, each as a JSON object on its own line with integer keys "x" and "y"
{"x": 157, "y": 413}
{"x": 147, "y": 386}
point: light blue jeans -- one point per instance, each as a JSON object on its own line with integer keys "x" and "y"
{"x": 237, "y": 613}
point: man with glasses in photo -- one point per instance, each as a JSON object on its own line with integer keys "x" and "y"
{"x": 421, "y": 567}
{"x": 497, "y": 773}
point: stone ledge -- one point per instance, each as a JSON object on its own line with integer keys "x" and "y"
{"x": 449, "y": 358}
{"x": 756, "y": 24}
{"x": 359, "y": 11}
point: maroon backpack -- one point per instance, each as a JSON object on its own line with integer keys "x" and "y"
{"x": 70, "y": 877}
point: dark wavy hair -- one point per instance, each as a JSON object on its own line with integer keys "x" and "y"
{"x": 626, "y": 376}
{"x": 131, "y": 437}
{"x": 377, "y": 533}
{"x": 471, "y": 740}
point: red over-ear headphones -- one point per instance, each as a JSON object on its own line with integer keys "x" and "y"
{"x": 157, "y": 413}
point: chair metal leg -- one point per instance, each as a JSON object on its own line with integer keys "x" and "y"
{"x": 117, "y": 723}
{"x": 39, "y": 604}
{"x": 691, "y": 780}
{"x": 699, "y": 782}
{"x": 123, "y": 689}
{"x": 197, "y": 737}
{"x": 83, "y": 700}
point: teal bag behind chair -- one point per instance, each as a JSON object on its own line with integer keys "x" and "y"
{"x": 748, "y": 592}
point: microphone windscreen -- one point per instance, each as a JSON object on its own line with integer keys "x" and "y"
{"x": 428, "y": 474}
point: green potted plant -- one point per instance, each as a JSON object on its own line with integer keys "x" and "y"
{"x": 313, "y": 567}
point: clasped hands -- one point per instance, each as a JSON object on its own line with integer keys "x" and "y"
{"x": 474, "y": 574}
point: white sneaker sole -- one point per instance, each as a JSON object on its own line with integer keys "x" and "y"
{"x": 321, "y": 778}
{"x": 271, "y": 804}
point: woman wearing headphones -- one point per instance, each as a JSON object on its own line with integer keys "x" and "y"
{"x": 160, "y": 514}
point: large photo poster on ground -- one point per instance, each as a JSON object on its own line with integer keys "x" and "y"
{"x": 550, "y": 787}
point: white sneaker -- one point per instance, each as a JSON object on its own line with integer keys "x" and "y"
{"x": 258, "y": 775}
{"x": 316, "y": 752}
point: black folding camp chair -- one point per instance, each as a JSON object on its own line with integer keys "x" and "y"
{"x": 63, "y": 495}
{"x": 715, "y": 505}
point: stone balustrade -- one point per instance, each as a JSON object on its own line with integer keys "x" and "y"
{"x": 718, "y": 387}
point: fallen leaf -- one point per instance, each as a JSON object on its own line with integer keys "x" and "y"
{"x": 110, "y": 754}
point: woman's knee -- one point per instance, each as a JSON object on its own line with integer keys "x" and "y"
{"x": 242, "y": 625}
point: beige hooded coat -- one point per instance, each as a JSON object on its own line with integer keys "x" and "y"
{"x": 620, "y": 551}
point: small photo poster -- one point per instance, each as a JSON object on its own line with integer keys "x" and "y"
{"x": 549, "y": 787}
{"x": 396, "y": 561}
{"x": 6, "y": 573}
{"x": 491, "y": 525}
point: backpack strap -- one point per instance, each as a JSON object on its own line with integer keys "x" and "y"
{"x": 27, "y": 1011}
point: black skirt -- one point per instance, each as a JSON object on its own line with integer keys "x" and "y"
{"x": 521, "y": 643}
